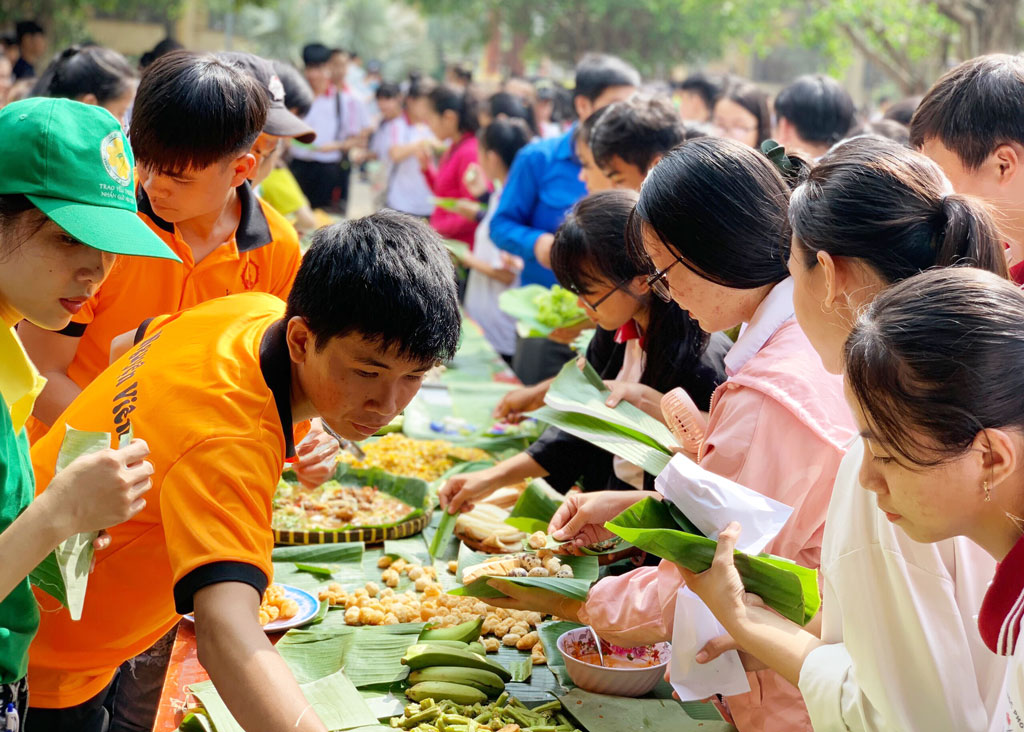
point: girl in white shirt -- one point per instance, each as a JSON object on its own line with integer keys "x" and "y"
{"x": 897, "y": 647}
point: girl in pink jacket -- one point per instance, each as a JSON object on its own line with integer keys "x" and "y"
{"x": 712, "y": 217}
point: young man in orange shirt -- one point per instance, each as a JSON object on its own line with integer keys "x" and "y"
{"x": 216, "y": 391}
{"x": 195, "y": 121}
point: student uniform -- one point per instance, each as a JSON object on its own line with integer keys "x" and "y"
{"x": 446, "y": 182}
{"x": 407, "y": 189}
{"x": 885, "y": 597}
{"x": 999, "y": 622}
{"x": 776, "y": 386}
{"x": 209, "y": 391}
{"x": 263, "y": 255}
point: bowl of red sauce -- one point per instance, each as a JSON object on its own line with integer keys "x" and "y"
{"x": 627, "y": 671}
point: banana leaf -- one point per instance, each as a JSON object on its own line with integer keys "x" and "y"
{"x": 787, "y": 587}
{"x": 576, "y": 403}
{"x": 549, "y": 633}
{"x": 519, "y": 303}
{"x": 335, "y": 700}
{"x": 533, "y": 510}
{"x": 412, "y": 549}
{"x": 521, "y": 669}
{"x": 369, "y": 655}
{"x": 414, "y": 492}
{"x": 607, "y": 712}
{"x": 585, "y": 571}
{"x": 443, "y": 535}
{"x": 64, "y": 574}
{"x": 342, "y": 560}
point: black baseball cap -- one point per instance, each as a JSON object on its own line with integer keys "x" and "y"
{"x": 280, "y": 121}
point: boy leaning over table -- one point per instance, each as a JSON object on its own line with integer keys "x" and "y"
{"x": 216, "y": 391}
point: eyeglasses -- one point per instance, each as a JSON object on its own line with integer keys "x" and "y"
{"x": 596, "y": 305}
{"x": 658, "y": 285}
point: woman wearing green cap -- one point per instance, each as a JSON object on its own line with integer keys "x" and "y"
{"x": 67, "y": 208}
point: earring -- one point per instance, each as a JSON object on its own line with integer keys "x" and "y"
{"x": 988, "y": 492}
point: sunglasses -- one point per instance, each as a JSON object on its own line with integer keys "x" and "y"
{"x": 659, "y": 285}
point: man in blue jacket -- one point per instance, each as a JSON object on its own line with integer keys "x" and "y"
{"x": 543, "y": 184}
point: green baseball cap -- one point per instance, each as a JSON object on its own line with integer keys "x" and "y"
{"x": 73, "y": 162}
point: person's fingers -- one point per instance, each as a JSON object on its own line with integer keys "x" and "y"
{"x": 135, "y": 452}
{"x": 139, "y": 489}
{"x": 726, "y": 545}
{"x": 753, "y": 600}
{"x": 101, "y": 542}
{"x": 581, "y": 363}
{"x": 136, "y": 507}
{"x": 573, "y": 526}
{"x": 458, "y": 499}
{"x": 562, "y": 515}
{"x": 715, "y": 648}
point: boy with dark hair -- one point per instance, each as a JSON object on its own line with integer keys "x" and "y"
{"x": 632, "y": 136}
{"x": 971, "y": 122}
{"x": 341, "y": 125}
{"x": 542, "y": 185}
{"x": 194, "y": 124}
{"x": 698, "y": 93}
{"x": 220, "y": 392}
{"x": 31, "y": 39}
{"x": 813, "y": 114}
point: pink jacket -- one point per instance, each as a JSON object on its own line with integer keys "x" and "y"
{"x": 446, "y": 182}
{"x": 779, "y": 426}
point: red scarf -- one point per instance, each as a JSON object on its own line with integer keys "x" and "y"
{"x": 631, "y": 331}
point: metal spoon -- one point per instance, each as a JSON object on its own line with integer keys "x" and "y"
{"x": 598, "y": 641}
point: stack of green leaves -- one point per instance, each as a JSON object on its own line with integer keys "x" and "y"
{"x": 576, "y": 403}
{"x": 787, "y": 587}
{"x": 539, "y": 311}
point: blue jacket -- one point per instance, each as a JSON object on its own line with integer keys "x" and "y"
{"x": 542, "y": 186}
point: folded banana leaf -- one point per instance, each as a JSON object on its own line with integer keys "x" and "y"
{"x": 787, "y": 587}
{"x": 342, "y": 560}
{"x": 585, "y": 573}
{"x": 369, "y": 655}
{"x": 533, "y": 510}
{"x": 576, "y": 404}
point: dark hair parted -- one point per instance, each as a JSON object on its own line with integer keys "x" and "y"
{"x": 590, "y": 251}
{"x": 974, "y": 108}
{"x": 446, "y": 98}
{"x": 386, "y": 277}
{"x": 877, "y": 201}
{"x": 752, "y": 99}
{"x": 637, "y": 130}
{"x": 82, "y": 70}
{"x": 931, "y": 363}
{"x": 720, "y": 206}
{"x": 704, "y": 85}
{"x": 597, "y": 72}
{"x": 193, "y": 110}
{"x": 506, "y": 137}
{"x": 819, "y": 107}
{"x": 298, "y": 94}
{"x": 17, "y": 214}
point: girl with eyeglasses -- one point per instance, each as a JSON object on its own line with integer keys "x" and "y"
{"x": 712, "y": 220}
{"x": 643, "y": 346}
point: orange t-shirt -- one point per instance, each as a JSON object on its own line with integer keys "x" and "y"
{"x": 262, "y": 256}
{"x": 209, "y": 390}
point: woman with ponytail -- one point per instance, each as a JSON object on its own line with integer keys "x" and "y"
{"x": 92, "y": 75}
{"x": 871, "y": 214}
{"x": 452, "y": 115}
{"x": 712, "y": 217}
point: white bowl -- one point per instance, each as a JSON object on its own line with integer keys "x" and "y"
{"x": 615, "y": 681}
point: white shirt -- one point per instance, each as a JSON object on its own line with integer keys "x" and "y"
{"x": 407, "y": 189}
{"x": 904, "y": 649}
{"x": 1009, "y": 714}
{"x": 774, "y": 310}
{"x": 482, "y": 292}
{"x": 323, "y": 118}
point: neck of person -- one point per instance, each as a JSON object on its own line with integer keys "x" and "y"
{"x": 1002, "y": 526}
{"x": 751, "y": 300}
{"x": 208, "y": 231}
{"x": 8, "y": 313}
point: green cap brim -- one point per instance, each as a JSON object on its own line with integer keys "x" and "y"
{"x": 114, "y": 230}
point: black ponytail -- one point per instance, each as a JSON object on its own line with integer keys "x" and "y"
{"x": 875, "y": 200}
{"x": 444, "y": 98}
{"x": 82, "y": 70}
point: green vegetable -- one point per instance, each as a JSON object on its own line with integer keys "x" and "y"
{"x": 558, "y": 308}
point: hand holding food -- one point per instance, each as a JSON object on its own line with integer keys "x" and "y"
{"x": 581, "y": 518}
{"x": 102, "y": 489}
{"x": 462, "y": 491}
{"x": 318, "y": 456}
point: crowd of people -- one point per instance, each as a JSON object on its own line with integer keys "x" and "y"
{"x": 172, "y": 272}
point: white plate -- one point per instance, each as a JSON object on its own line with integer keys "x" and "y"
{"x": 308, "y": 608}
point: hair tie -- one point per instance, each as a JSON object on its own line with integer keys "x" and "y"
{"x": 776, "y": 153}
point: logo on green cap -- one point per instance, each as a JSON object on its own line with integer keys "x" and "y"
{"x": 114, "y": 158}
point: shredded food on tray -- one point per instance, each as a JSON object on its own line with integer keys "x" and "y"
{"x": 424, "y": 459}
{"x": 334, "y": 506}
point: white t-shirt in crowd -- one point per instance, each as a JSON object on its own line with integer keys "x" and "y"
{"x": 323, "y": 118}
{"x": 407, "y": 189}
{"x": 900, "y": 620}
{"x": 482, "y": 292}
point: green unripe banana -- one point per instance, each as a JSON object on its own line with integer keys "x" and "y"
{"x": 443, "y": 690}
{"x": 466, "y": 632}
{"x": 425, "y": 655}
{"x": 486, "y": 681}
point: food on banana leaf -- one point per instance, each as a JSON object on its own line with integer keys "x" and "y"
{"x": 334, "y": 506}
{"x": 484, "y": 528}
{"x": 401, "y": 455}
{"x": 542, "y": 564}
